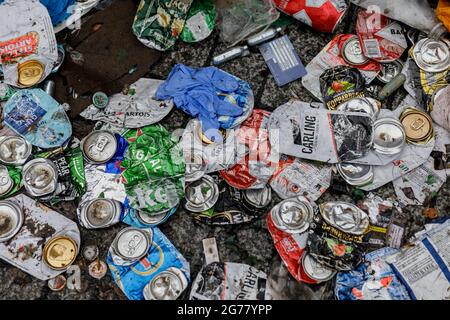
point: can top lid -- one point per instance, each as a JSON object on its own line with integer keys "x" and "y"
{"x": 99, "y": 146}
{"x": 367, "y": 105}
{"x": 345, "y": 216}
{"x": 316, "y": 270}
{"x": 6, "y": 183}
{"x": 388, "y": 133}
{"x": 30, "y": 73}
{"x": 39, "y": 173}
{"x": 166, "y": 285}
{"x": 60, "y": 252}
{"x": 417, "y": 124}
{"x": 259, "y": 198}
{"x": 390, "y": 70}
{"x": 100, "y": 211}
{"x": 132, "y": 243}
{"x": 14, "y": 150}
{"x": 294, "y": 214}
{"x": 202, "y": 194}
{"x": 11, "y": 220}
{"x": 353, "y": 53}
{"x": 432, "y": 55}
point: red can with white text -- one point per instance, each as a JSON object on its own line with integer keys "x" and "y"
{"x": 322, "y": 15}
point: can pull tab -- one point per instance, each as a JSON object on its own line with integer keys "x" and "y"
{"x": 210, "y": 250}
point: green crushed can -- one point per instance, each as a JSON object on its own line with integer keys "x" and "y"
{"x": 158, "y": 23}
{"x": 76, "y": 168}
{"x": 10, "y": 181}
{"x": 153, "y": 169}
{"x": 200, "y": 21}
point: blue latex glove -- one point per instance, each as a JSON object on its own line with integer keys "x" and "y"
{"x": 57, "y": 9}
{"x": 195, "y": 92}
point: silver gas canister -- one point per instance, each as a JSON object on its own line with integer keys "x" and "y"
{"x": 263, "y": 36}
{"x": 390, "y": 70}
{"x": 131, "y": 244}
{"x": 6, "y": 183}
{"x": 257, "y": 198}
{"x": 11, "y": 219}
{"x": 100, "y": 213}
{"x": 315, "y": 270}
{"x": 293, "y": 215}
{"x": 151, "y": 219}
{"x": 432, "y": 55}
{"x": 345, "y": 216}
{"x": 367, "y": 105}
{"x": 99, "y": 146}
{"x": 355, "y": 174}
{"x": 14, "y": 150}
{"x": 40, "y": 177}
{"x": 389, "y": 136}
{"x": 230, "y": 55}
{"x": 166, "y": 285}
{"x": 352, "y": 53}
{"x": 201, "y": 195}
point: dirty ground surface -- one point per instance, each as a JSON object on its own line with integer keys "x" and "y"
{"x": 248, "y": 243}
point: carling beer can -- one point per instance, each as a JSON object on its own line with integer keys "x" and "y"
{"x": 28, "y": 49}
{"x": 14, "y": 150}
{"x": 381, "y": 39}
{"x": 322, "y": 15}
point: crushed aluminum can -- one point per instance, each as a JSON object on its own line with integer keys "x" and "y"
{"x": 389, "y": 136}
{"x": 311, "y": 271}
{"x": 60, "y": 60}
{"x": 329, "y": 57}
{"x": 293, "y": 215}
{"x": 27, "y": 45}
{"x": 389, "y": 71}
{"x": 230, "y": 281}
{"x": 99, "y": 213}
{"x": 301, "y": 177}
{"x": 6, "y": 91}
{"x": 97, "y": 269}
{"x": 90, "y": 253}
{"x": 381, "y": 38}
{"x": 432, "y": 55}
{"x": 134, "y": 108}
{"x": 201, "y": 195}
{"x": 60, "y": 252}
{"x": 11, "y": 220}
{"x": 57, "y": 283}
{"x": 195, "y": 165}
{"x": 345, "y": 216}
{"x": 162, "y": 255}
{"x": 99, "y": 146}
{"x": 40, "y": 177}
{"x": 418, "y": 126}
{"x": 166, "y": 285}
{"x": 147, "y": 219}
{"x": 440, "y": 111}
{"x": 366, "y": 104}
{"x": 6, "y": 182}
{"x": 352, "y": 53}
{"x": 257, "y": 198}
{"x": 131, "y": 244}
{"x": 200, "y": 21}
{"x": 322, "y": 15}
{"x": 355, "y": 174}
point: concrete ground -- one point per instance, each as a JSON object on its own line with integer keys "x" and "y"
{"x": 247, "y": 243}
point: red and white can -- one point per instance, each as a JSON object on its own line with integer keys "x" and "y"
{"x": 381, "y": 38}
{"x": 322, "y": 15}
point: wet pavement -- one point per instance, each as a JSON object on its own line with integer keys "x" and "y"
{"x": 247, "y": 243}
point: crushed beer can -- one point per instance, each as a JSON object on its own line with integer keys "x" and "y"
{"x": 290, "y": 245}
{"x": 311, "y": 271}
{"x": 372, "y": 280}
{"x": 200, "y": 21}
{"x": 38, "y": 118}
{"x": 389, "y": 136}
{"x": 301, "y": 177}
{"x": 14, "y": 150}
{"x": 320, "y": 134}
{"x": 389, "y": 71}
{"x": 230, "y": 281}
{"x": 130, "y": 245}
{"x": 432, "y": 55}
{"x": 330, "y": 57}
{"x": 421, "y": 267}
{"x": 293, "y": 215}
{"x": 381, "y": 38}
{"x": 160, "y": 256}
{"x": 141, "y": 219}
{"x": 60, "y": 252}
{"x": 355, "y": 174}
{"x": 6, "y": 91}
{"x": 440, "y": 110}
{"x": 418, "y": 126}
{"x": 153, "y": 170}
{"x": 201, "y": 195}
{"x": 134, "y": 109}
{"x": 366, "y": 104}
{"x": 158, "y": 24}
{"x": 99, "y": 147}
{"x": 166, "y": 285}
{"x": 26, "y": 249}
{"x": 322, "y": 15}
{"x": 28, "y": 49}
